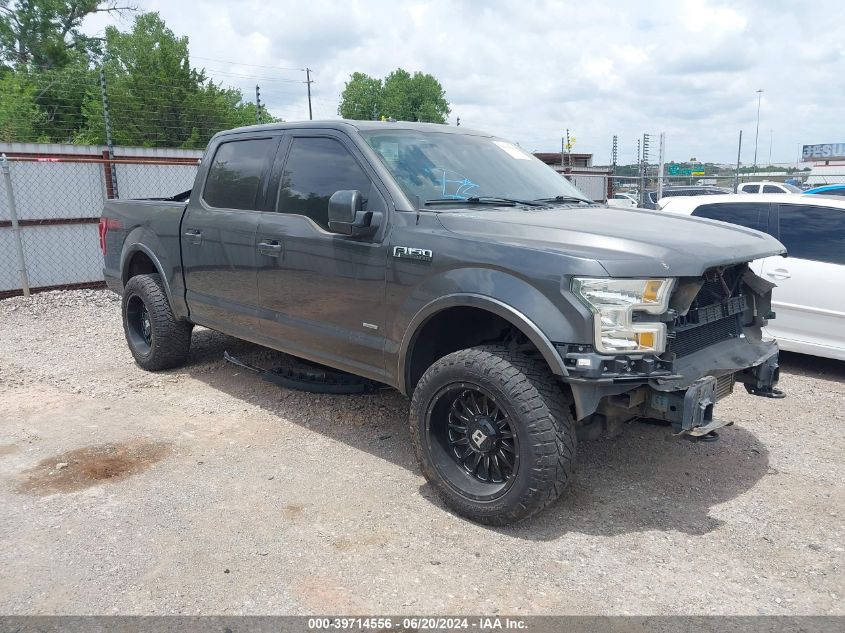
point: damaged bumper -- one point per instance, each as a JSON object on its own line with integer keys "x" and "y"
{"x": 684, "y": 391}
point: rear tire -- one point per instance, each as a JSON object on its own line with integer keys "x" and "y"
{"x": 493, "y": 433}
{"x": 156, "y": 338}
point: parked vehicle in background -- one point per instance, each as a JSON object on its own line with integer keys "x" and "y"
{"x": 768, "y": 187}
{"x": 797, "y": 182}
{"x": 691, "y": 190}
{"x": 622, "y": 200}
{"x": 459, "y": 269}
{"x": 828, "y": 190}
{"x": 810, "y": 296}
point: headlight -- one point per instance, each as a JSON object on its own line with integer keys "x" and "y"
{"x": 613, "y": 302}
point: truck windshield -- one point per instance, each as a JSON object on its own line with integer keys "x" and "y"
{"x": 440, "y": 166}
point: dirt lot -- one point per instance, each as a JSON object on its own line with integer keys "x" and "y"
{"x": 207, "y": 490}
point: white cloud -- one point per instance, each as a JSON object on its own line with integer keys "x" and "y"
{"x": 528, "y": 70}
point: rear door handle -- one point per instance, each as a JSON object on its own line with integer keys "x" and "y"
{"x": 193, "y": 236}
{"x": 270, "y": 248}
{"x": 779, "y": 273}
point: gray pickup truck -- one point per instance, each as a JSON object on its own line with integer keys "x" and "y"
{"x": 453, "y": 266}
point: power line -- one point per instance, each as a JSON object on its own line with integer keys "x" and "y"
{"x": 217, "y": 71}
{"x": 229, "y": 61}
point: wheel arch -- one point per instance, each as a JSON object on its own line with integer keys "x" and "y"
{"x": 408, "y": 374}
{"x": 139, "y": 259}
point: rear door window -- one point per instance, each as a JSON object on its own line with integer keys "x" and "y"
{"x": 754, "y": 215}
{"x": 235, "y": 174}
{"x": 751, "y": 188}
{"x": 813, "y": 232}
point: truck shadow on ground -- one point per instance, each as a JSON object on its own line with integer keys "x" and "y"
{"x": 644, "y": 479}
{"x": 812, "y": 366}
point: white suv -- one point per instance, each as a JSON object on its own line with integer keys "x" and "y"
{"x": 767, "y": 187}
{"x": 810, "y": 296}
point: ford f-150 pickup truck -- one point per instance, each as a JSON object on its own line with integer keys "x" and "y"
{"x": 455, "y": 267}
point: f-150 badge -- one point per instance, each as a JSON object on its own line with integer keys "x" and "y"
{"x": 406, "y": 252}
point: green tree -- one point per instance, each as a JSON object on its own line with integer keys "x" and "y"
{"x": 51, "y": 91}
{"x": 46, "y": 33}
{"x": 20, "y": 117}
{"x": 361, "y": 97}
{"x": 156, "y": 98}
{"x": 405, "y": 97}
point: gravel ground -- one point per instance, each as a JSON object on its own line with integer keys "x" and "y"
{"x": 207, "y": 490}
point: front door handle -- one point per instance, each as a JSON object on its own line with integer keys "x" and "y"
{"x": 779, "y": 273}
{"x": 270, "y": 248}
{"x": 193, "y": 236}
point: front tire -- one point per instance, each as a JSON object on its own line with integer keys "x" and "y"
{"x": 156, "y": 338}
{"x": 494, "y": 434}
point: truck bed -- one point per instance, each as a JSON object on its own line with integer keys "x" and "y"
{"x": 155, "y": 223}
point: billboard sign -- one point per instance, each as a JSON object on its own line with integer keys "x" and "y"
{"x": 823, "y": 151}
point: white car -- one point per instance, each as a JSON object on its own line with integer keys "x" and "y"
{"x": 767, "y": 187}
{"x": 809, "y": 300}
{"x": 622, "y": 200}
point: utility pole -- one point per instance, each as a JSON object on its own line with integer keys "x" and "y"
{"x": 640, "y": 192}
{"x": 757, "y": 130}
{"x": 308, "y": 83}
{"x": 771, "y": 138}
{"x": 644, "y": 166}
{"x": 568, "y": 150}
{"x": 614, "y": 152}
{"x": 257, "y": 104}
{"x": 738, "y": 154}
{"x": 661, "y": 151}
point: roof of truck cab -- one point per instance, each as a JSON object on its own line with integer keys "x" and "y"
{"x": 349, "y": 125}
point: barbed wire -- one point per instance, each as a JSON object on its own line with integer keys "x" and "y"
{"x": 68, "y": 107}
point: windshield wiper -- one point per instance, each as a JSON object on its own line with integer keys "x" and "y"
{"x": 483, "y": 200}
{"x": 563, "y": 199}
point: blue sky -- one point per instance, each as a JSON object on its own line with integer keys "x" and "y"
{"x": 527, "y": 70}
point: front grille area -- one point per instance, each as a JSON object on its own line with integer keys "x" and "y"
{"x": 724, "y": 386}
{"x": 714, "y": 315}
{"x": 694, "y": 339}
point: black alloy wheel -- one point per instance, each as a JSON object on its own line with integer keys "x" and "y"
{"x": 479, "y": 435}
{"x": 494, "y": 433}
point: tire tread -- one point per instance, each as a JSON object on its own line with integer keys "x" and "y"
{"x": 545, "y": 414}
{"x": 172, "y": 337}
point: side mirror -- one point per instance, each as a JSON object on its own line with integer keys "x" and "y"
{"x": 347, "y": 215}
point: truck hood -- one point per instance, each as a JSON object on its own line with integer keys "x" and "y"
{"x": 627, "y": 243}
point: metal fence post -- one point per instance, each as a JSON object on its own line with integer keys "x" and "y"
{"x": 16, "y": 229}
{"x": 107, "y": 122}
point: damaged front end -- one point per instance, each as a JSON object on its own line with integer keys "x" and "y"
{"x": 714, "y": 340}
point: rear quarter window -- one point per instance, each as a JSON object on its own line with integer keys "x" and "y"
{"x": 813, "y": 232}
{"x": 754, "y": 215}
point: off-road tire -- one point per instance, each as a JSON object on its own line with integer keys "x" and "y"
{"x": 539, "y": 412}
{"x": 170, "y": 338}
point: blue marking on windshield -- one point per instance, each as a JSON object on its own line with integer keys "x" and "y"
{"x": 456, "y": 186}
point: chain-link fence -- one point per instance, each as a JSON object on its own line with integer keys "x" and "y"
{"x": 50, "y": 206}
{"x": 645, "y": 188}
